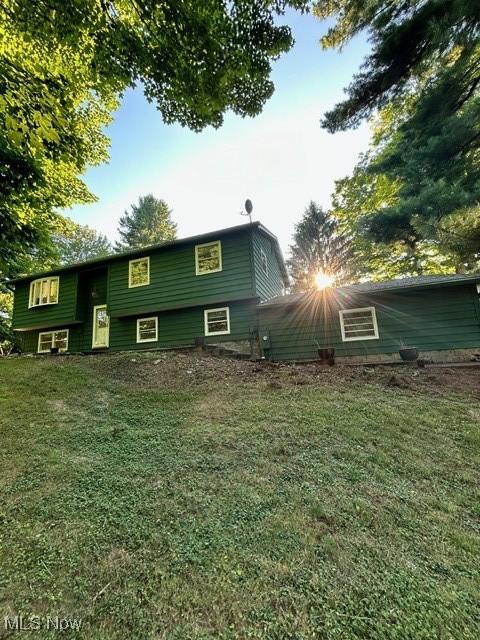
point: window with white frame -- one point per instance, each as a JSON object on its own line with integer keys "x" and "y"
{"x": 217, "y": 321}
{"x": 44, "y": 291}
{"x": 51, "y": 339}
{"x": 208, "y": 258}
{"x": 138, "y": 272}
{"x": 358, "y": 324}
{"x": 147, "y": 329}
{"x": 264, "y": 262}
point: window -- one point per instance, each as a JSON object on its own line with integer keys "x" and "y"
{"x": 44, "y": 291}
{"x": 138, "y": 272}
{"x": 263, "y": 260}
{"x": 147, "y": 329}
{"x": 217, "y": 321}
{"x": 49, "y": 339}
{"x": 208, "y": 258}
{"x": 358, "y": 324}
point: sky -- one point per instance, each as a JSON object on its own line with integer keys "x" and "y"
{"x": 281, "y": 159}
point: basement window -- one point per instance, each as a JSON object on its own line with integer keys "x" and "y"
{"x": 49, "y": 339}
{"x": 147, "y": 329}
{"x": 208, "y": 258}
{"x": 264, "y": 262}
{"x": 217, "y": 321}
{"x": 44, "y": 291}
{"x": 358, "y": 324}
{"x": 138, "y": 272}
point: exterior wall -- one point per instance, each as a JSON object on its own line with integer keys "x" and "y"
{"x": 51, "y": 315}
{"x": 175, "y": 329}
{"x": 271, "y": 285}
{"x": 432, "y": 320}
{"x": 180, "y": 328}
{"x": 173, "y": 281}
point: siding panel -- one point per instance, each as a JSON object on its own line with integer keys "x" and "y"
{"x": 430, "y": 319}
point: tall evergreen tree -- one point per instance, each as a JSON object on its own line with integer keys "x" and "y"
{"x": 424, "y": 76}
{"x": 148, "y": 222}
{"x": 319, "y": 246}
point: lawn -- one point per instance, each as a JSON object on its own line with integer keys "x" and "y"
{"x": 178, "y": 496}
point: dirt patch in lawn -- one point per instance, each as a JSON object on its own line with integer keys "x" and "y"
{"x": 170, "y": 369}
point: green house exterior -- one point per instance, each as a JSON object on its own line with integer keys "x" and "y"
{"x": 229, "y": 286}
{"x": 438, "y": 315}
{"x": 100, "y": 306}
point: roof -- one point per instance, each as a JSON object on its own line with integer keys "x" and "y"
{"x": 400, "y": 284}
{"x": 203, "y": 237}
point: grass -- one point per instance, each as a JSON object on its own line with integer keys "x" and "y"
{"x": 175, "y": 498}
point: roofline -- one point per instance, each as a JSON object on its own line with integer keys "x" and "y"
{"x": 472, "y": 277}
{"x": 155, "y": 247}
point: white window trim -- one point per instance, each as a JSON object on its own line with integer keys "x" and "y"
{"x": 208, "y": 244}
{"x": 32, "y": 288}
{"x": 139, "y": 340}
{"x": 263, "y": 256}
{"x": 216, "y": 333}
{"x": 357, "y": 338}
{"x": 94, "y": 328}
{"x": 45, "y": 333}
{"x": 142, "y": 284}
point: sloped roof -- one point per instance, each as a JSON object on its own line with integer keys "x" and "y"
{"x": 203, "y": 237}
{"x": 398, "y": 284}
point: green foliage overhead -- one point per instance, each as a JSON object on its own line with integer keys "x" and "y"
{"x": 149, "y": 222}
{"x": 63, "y": 66}
{"x": 318, "y": 245}
{"x": 424, "y": 76}
{"x": 79, "y": 243}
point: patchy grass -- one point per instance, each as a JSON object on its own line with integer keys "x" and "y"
{"x": 182, "y": 497}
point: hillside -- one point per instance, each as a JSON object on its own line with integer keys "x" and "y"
{"x": 180, "y": 496}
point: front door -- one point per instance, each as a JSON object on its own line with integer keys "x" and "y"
{"x": 101, "y": 326}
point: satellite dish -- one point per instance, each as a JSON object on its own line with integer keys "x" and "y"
{"x": 248, "y": 209}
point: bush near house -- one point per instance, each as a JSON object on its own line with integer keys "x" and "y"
{"x": 180, "y": 496}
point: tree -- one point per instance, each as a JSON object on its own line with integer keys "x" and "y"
{"x": 80, "y": 243}
{"x": 64, "y": 65}
{"x": 354, "y": 200}
{"x": 318, "y": 245}
{"x": 148, "y": 222}
{"x": 424, "y": 76}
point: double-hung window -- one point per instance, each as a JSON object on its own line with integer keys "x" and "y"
{"x": 138, "y": 272}
{"x": 44, "y": 291}
{"x": 147, "y": 329}
{"x": 51, "y": 339}
{"x": 358, "y": 324}
{"x": 217, "y": 321}
{"x": 208, "y": 258}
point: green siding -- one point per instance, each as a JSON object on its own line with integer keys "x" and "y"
{"x": 181, "y": 327}
{"x": 271, "y": 285}
{"x": 173, "y": 281}
{"x": 429, "y": 319}
{"x": 175, "y": 329}
{"x": 49, "y": 315}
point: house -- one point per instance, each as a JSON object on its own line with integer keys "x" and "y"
{"x": 229, "y": 286}
{"x": 439, "y": 315}
{"x": 204, "y": 287}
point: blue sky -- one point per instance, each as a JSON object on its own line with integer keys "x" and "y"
{"x": 281, "y": 159}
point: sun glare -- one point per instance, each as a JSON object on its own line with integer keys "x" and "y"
{"x": 323, "y": 280}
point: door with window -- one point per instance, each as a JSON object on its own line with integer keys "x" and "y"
{"x": 101, "y": 326}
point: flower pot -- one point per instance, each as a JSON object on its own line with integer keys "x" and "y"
{"x": 327, "y": 356}
{"x": 53, "y": 349}
{"x": 409, "y": 354}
